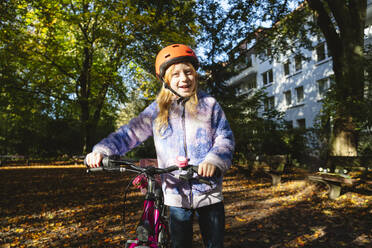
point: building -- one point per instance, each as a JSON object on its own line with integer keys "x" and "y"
{"x": 294, "y": 86}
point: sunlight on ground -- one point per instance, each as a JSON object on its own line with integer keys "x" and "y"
{"x": 316, "y": 233}
{"x": 56, "y": 208}
{"x": 40, "y": 229}
{"x": 41, "y": 166}
{"x": 261, "y": 201}
{"x": 268, "y": 201}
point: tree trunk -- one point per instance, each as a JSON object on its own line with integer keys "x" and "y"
{"x": 342, "y": 24}
{"x": 83, "y": 93}
{"x": 90, "y": 108}
{"x": 344, "y": 139}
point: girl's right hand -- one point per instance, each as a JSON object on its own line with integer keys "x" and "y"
{"x": 93, "y": 159}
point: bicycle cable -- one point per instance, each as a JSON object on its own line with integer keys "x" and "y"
{"x": 125, "y": 197}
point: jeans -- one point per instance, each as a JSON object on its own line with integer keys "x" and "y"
{"x": 211, "y": 221}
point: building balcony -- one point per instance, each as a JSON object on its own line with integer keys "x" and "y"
{"x": 245, "y": 75}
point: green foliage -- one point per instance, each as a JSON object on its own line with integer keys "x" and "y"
{"x": 66, "y": 61}
{"x": 225, "y": 27}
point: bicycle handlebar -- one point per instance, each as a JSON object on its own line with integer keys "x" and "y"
{"x": 113, "y": 164}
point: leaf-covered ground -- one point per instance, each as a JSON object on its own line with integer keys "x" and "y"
{"x": 62, "y": 206}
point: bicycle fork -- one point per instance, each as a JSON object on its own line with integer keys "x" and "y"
{"x": 150, "y": 231}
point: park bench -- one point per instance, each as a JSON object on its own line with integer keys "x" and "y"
{"x": 4, "y": 159}
{"x": 276, "y": 165}
{"x": 335, "y": 176}
{"x": 334, "y": 181}
{"x": 78, "y": 159}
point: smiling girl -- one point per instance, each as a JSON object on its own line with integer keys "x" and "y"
{"x": 183, "y": 122}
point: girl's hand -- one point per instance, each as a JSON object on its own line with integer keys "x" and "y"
{"x": 94, "y": 159}
{"x": 206, "y": 169}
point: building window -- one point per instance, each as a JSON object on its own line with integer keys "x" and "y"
{"x": 322, "y": 87}
{"x": 269, "y": 103}
{"x": 298, "y": 62}
{"x": 267, "y": 77}
{"x": 300, "y": 94}
{"x": 288, "y": 97}
{"x": 252, "y": 84}
{"x": 286, "y": 68}
{"x": 321, "y": 52}
{"x": 288, "y": 124}
{"x": 248, "y": 60}
{"x": 301, "y": 123}
{"x": 248, "y": 84}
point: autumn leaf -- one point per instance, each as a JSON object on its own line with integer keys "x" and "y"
{"x": 51, "y": 206}
{"x": 239, "y": 219}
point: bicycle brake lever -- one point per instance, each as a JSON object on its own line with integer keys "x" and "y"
{"x": 204, "y": 181}
{"x": 216, "y": 174}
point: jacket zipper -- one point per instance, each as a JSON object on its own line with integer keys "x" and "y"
{"x": 185, "y": 148}
{"x": 184, "y": 130}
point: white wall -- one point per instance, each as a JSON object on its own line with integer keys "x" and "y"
{"x": 311, "y": 72}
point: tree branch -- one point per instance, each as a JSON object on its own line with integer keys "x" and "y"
{"x": 40, "y": 92}
{"x": 341, "y": 13}
{"x": 326, "y": 25}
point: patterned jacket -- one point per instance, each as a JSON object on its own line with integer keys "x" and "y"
{"x": 204, "y": 137}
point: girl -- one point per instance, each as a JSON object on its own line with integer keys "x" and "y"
{"x": 183, "y": 122}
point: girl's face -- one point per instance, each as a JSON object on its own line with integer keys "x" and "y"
{"x": 183, "y": 79}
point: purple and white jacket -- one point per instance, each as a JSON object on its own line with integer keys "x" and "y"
{"x": 204, "y": 137}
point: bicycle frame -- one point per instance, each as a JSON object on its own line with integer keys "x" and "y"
{"x": 153, "y": 221}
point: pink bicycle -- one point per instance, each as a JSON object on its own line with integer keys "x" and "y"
{"x": 152, "y": 230}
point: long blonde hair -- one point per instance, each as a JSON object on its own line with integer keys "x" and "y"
{"x": 165, "y": 98}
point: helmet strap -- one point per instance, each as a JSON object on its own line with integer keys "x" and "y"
{"x": 181, "y": 99}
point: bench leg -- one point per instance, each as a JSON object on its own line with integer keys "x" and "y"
{"x": 334, "y": 191}
{"x": 276, "y": 179}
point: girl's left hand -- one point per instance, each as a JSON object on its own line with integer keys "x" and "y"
{"x": 206, "y": 169}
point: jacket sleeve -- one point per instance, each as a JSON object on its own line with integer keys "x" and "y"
{"x": 223, "y": 147}
{"x": 129, "y": 136}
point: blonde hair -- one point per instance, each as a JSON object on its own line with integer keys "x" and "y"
{"x": 165, "y": 98}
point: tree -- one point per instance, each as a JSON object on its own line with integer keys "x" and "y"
{"x": 342, "y": 24}
{"x": 74, "y": 52}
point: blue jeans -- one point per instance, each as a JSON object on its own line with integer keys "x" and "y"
{"x": 211, "y": 221}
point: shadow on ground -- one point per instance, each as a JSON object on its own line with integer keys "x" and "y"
{"x": 63, "y": 206}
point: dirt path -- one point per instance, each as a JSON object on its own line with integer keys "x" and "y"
{"x": 50, "y": 206}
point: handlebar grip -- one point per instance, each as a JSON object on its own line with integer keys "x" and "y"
{"x": 105, "y": 162}
{"x": 205, "y": 181}
{"x": 188, "y": 178}
{"x": 91, "y": 169}
{"x": 86, "y": 163}
{"x": 217, "y": 173}
{"x": 95, "y": 169}
{"x": 105, "y": 165}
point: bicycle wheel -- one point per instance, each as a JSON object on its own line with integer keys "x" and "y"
{"x": 133, "y": 244}
{"x": 164, "y": 236}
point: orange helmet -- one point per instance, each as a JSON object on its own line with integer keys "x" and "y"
{"x": 173, "y": 54}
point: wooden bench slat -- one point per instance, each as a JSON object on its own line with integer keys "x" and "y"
{"x": 334, "y": 178}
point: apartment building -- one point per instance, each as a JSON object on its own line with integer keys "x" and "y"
{"x": 295, "y": 86}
